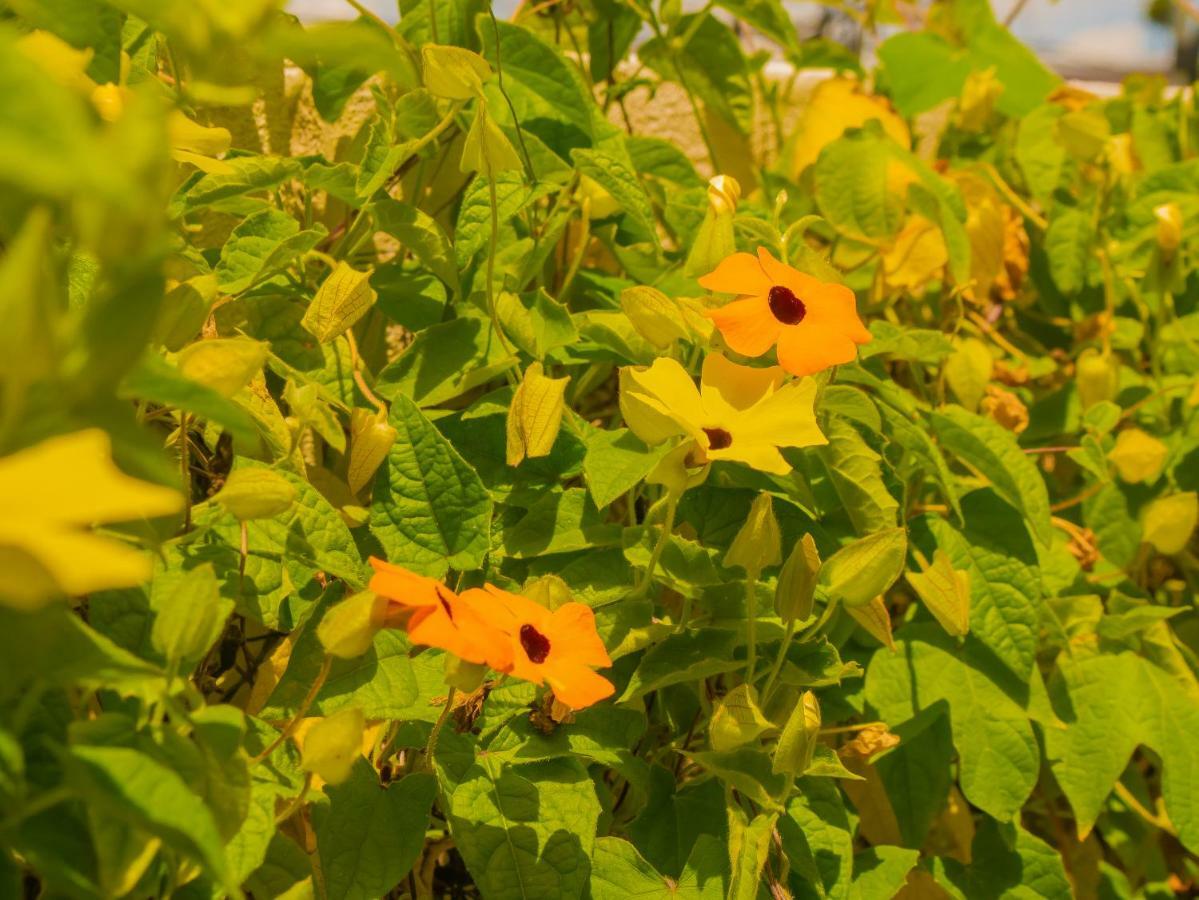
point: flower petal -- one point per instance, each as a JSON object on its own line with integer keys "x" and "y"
{"x": 576, "y": 685}
{"x": 404, "y": 587}
{"x": 813, "y": 347}
{"x": 760, "y": 455}
{"x": 834, "y": 306}
{"x": 748, "y": 325}
{"x": 727, "y": 388}
{"x": 572, "y": 631}
{"x": 786, "y": 418}
{"x": 660, "y": 402}
{"x": 740, "y": 273}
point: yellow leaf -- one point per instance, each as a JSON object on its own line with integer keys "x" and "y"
{"x": 333, "y": 745}
{"x": 946, "y": 592}
{"x": 535, "y": 416}
{"x": 977, "y": 102}
{"x": 224, "y": 364}
{"x": 186, "y": 134}
{"x": 838, "y": 104}
{"x": 50, "y": 496}
{"x": 967, "y": 371}
{"x": 454, "y": 72}
{"x": 601, "y": 204}
{"x": 1168, "y": 522}
{"x": 917, "y": 257}
{"x": 60, "y": 60}
{"x": 342, "y": 299}
{"x": 875, "y": 619}
{"x": 986, "y": 227}
{"x": 1138, "y": 456}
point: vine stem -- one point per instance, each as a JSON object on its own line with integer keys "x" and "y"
{"x": 772, "y": 678}
{"x": 672, "y": 506}
{"x": 295, "y": 804}
{"x": 491, "y": 251}
{"x": 437, "y": 726}
{"x": 290, "y": 728}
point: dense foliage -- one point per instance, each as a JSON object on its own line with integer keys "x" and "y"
{"x": 420, "y": 511}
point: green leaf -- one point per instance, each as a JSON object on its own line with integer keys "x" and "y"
{"x": 560, "y": 522}
{"x": 852, "y": 188}
{"x": 918, "y": 773}
{"x": 881, "y": 871}
{"x": 525, "y": 832}
{"x": 444, "y": 362}
{"x": 619, "y": 871}
{"x": 548, "y": 96}
{"x": 612, "y": 168}
{"x": 381, "y": 682}
{"x": 923, "y": 69}
{"x": 368, "y": 837}
{"x": 865, "y": 568}
{"x": 190, "y": 618}
{"x": 249, "y": 174}
{"x": 1068, "y": 248}
{"x": 749, "y": 845}
{"x": 991, "y": 729}
{"x": 420, "y": 234}
{"x": 135, "y": 788}
{"x": 711, "y": 63}
{"x": 995, "y": 552}
{"x": 1112, "y": 703}
{"x": 616, "y": 462}
{"x": 430, "y": 511}
{"x": 154, "y": 380}
{"x": 855, "y": 473}
{"x": 818, "y": 839}
{"x": 1039, "y": 153}
{"x": 1007, "y": 861}
{"x": 262, "y": 246}
{"x": 682, "y": 657}
{"x": 990, "y": 449}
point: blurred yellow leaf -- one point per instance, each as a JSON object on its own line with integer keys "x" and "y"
{"x": 1168, "y": 522}
{"x": 967, "y": 371}
{"x": 224, "y": 364}
{"x": 454, "y": 72}
{"x": 917, "y": 257}
{"x": 256, "y": 493}
{"x": 1138, "y": 456}
{"x": 838, "y": 104}
{"x": 348, "y": 629}
{"x": 50, "y": 496}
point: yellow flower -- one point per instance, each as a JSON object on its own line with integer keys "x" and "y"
{"x": 738, "y": 413}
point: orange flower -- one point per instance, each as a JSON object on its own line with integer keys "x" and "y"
{"x": 437, "y": 617}
{"x": 814, "y": 324}
{"x": 558, "y": 648}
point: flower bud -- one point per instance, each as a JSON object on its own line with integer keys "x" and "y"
{"x": 1169, "y": 228}
{"x": 796, "y": 588}
{"x": 715, "y": 241}
{"x": 758, "y": 543}
{"x": 535, "y": 416}
{"x": 371, "y": 438}
{"x": 256, "y": 493}
{"x": 1097, "y": 378}
{"x": 797, "y": 744}
{"x": 657, "y": 317}
{"x": 348, "y": 629}
{"x": 333, "y": 745}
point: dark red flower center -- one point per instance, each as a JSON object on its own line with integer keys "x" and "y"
{"x": 445, "y": 604}
{"x": 787, "y": 308}
{"x": 536, "y": 644}
{"x": 718, "y": 438}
